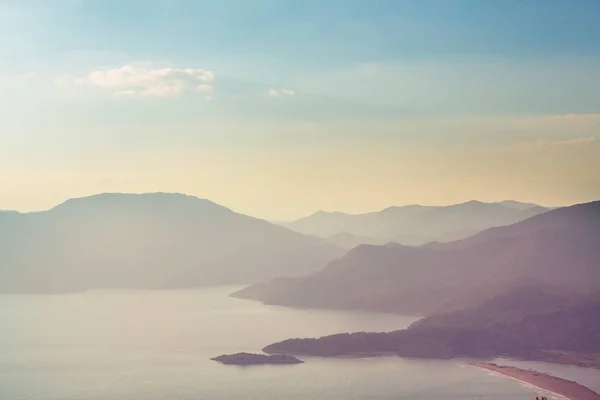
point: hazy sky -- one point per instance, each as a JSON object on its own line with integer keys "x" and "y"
{"x": 278, "y": 108}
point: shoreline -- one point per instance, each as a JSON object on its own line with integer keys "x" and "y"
{"x": 560, "y": 387}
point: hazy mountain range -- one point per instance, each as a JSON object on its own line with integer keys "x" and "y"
{"x": 413, "y": 224}
{"x": 161, "y": 240}
{"x": 148, "y": 241}
{"x": 530, "y": 290}
{"x": 559, "y": 249}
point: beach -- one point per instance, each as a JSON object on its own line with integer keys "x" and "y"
{"x": 561, "y": 387}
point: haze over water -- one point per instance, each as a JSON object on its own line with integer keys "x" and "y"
{"x": 154, "y": 345}
{"x": 410, "y": 156}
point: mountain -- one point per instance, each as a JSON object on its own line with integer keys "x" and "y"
{"x": 147, "y": 241}
{"x": 517, "y": 204}
{"x": 415, "y": 225}
{"x": 348, "y": 241}
{"x": 559, "y": 249}
{"x": 523, "y": 322}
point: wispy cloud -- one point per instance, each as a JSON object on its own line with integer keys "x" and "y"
{"x": 130, "y": 80}
{"x": 281, "y": 92}
{"x": 574, "y": 117}
{"x": 574, "y": 121}
{"x": 561, "y": 143}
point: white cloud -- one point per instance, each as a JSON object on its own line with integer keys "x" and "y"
{"x": 204, "y": 88}
{"x": 129, "y": 80}
{"x": 281, "y": 92}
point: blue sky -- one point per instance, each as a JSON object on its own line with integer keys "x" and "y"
{"x": 303, "y": 104}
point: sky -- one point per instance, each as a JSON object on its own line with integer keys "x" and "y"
{"x": 280, "y": 108}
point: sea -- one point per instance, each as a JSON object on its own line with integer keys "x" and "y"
{"x": 157, "y": 345}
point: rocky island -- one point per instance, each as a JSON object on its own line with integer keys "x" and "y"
{"x": 256, "y": 359}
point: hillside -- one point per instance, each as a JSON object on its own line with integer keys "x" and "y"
{"x": 512, "y": 324}
{"x": 147, "y": 241}
{"x": 414, "y": 225}
{"x": 348, "y": 241}
{"x": 559, "y": 249}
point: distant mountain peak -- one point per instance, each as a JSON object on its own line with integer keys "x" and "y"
{"x": 471, "y": 203}
{"x": 412, "y": 224}
{"x": 323, "y": 212}
{"x": 474, "y": 202}
{"x": 517, "y": 204}
{"x": 158, "y": 198}
{"x": 150, "y": 240}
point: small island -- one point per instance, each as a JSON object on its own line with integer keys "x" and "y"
{"x": 256, "y": 359}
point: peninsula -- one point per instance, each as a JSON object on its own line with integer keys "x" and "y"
{"x": 256, "y": 359}
{"x": 559, "y": 386}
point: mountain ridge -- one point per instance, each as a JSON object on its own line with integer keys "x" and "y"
{"x": 151, "y": 240}
{"x": 415, "y": 224}
{"x": 559, "y": 248}
{"x": 525, "y": 322}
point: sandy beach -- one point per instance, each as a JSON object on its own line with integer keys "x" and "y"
{"x": 558, "y": 386}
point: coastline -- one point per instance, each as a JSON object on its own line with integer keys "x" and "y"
{"x": 563, "y": 388}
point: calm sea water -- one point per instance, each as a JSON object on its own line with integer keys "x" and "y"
{"x": 156, "y": 345}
